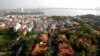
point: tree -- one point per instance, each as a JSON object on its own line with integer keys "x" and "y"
{"x": 27, "y": 46}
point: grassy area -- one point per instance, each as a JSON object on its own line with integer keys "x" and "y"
{"x": 6, "y": 43}
{"x": 5, "y": 37}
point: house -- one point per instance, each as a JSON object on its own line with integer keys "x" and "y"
{"x": 65, "y": 49}
{"x": 44, "y": 37}
{"x": 75, "y": 23}
{"x": 61, "y": 37}
{"x": 63, "y": 28}
{"x": 17, "y": 27}
{"x": 2, "y": 26}
{"x": 29, "y": 29}
{"x": 23, "y": 31}
{"x": 39, "y": 48}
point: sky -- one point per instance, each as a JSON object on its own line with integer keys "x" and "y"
{"x": 11, "y": 4}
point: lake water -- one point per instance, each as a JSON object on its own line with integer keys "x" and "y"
{"x": 70, "y": 12}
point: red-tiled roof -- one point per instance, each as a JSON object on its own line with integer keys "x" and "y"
{"x": 44, "y": 37}
{"x": 39, "y": 48}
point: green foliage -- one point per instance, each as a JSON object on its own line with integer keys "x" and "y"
{"x": 79, "y": 21}
{"x": 27, "y": 46}
{"x": 5, "y": 37}
{"x": 6, "y": 45}
{"x": 84, "y": 29}
{"x": 79, "y": 33}
{"x": 69, "y": 25}
{"x": 47, "y": 53}
{"x": 89, "y": 16}
{"x": 72, "y": 39}
{"x": 31, "y": 33}
{"x": 82, "y": 53}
